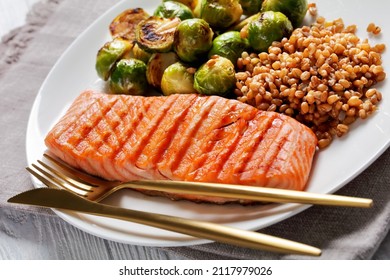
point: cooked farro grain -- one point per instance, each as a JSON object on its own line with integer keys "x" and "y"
{"x": 374, "y": 29}
{"x": 322, "y": 75}
{"x": 312, "y": 7}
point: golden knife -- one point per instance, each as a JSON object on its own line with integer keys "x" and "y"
{"x": 62, "y": 199}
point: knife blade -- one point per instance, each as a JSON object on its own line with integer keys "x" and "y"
{"x": 62, "y": 199}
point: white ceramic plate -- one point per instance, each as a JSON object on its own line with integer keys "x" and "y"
{"x": 333, "y": 167}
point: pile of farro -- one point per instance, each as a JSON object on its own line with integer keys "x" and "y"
{"x": 323, "y": 76}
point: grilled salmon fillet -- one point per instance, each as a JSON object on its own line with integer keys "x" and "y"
{"x": 183, "y": 137}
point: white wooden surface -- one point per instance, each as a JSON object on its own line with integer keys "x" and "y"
{"x": 13, "y": 14}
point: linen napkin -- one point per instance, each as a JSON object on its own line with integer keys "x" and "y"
{"x": 28, "y": 54}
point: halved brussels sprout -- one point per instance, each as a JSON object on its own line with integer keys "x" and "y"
{"x": 129, "y": 77}
{"x": 219, "y": 14}
{"x": 215, "y": 77}
{"x": 193, "y": 39}
{"x": 229, "y": 45}
{"x": 109, "y": 54}
{"x": 178, "y": 78}
{"x": 125, "y": 23}
{"x": 156, "y": 34}
{"x": 269, "y": 27}
{"x": 157, "y": 65}
{"x": 295, "y": 10}
{"x": 251, "y": 7}
{"x": 171, "y": 9}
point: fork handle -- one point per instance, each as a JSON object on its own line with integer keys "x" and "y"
{"x": 249, "y": 193}
{"x": 211, "y": 231}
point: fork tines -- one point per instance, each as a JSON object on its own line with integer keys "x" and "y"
{"x": 55, "y": 178}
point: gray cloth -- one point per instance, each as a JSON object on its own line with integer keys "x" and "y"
{"x": 28, "y": 54}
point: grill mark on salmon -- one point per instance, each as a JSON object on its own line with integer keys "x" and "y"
{"x": 229, "y": 128}
{"x": 164, "y": 131}
{"x": 106, "y": 138}
{"x": 183, "y": 137}
{"x": 243, "y": 154}
{"x": 94, "y": 136}
{"x": 138, "y": 125}
{"x": 73, "y": 118}
{"x": 200, "y": 113}
{"x": 276, "y": 146}
{"x": 127, "y": 129}
{"x": 98, "y": 136}
{"x": 208, "y": 138}
{"x": 165, "y": 140}
{"x": 176, "y": 154}
{"x": 74, "y": 112}
{"x": 170, "y": 144}
{"x": 134, "y": 119}
{"x": 137, "y": 156}
{"x": 110, "y": 123}
{"x": 77, "y": 129}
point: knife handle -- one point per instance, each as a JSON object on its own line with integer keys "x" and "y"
{"x": 65, "y": 200}
{"x": 211, "y": 231}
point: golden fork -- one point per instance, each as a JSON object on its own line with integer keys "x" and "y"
{"x": 96, "y": 189}
{"x": 205, "y": 230}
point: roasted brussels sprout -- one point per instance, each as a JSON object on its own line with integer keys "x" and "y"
{"x": 193, "y": 39}
{"x": 295, "y": 10}
{"x": 109, "y": 54}
{"x": 251, "y": 7}
{"x": 238, "y": 26}
{"x": 215, "y": 77}
{"x": 171, "y": 9}
{"x": 188, "y": 3}
{"x": 269, "y": 27}
{"x": 229, "y": 45}
{"x": 125, "y": 23}
{"x": 178, "y": 78}
{"x": 156, "y": 34}
{"x": 157, "y": 65}
{"x": 129, "y": 77}
{"x": 140, "y": 54}
{"x": 220, "y": 14}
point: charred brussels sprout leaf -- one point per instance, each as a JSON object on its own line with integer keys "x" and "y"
{"x": 172, "y": 9}
{"x": 269, "y": 27}
{"x": 215, "y": 77}
{"x": 219, "y": 14}
{"x": 193, "y": 39}
{"x": 251, "y": 7}
{"x": 109, "y": 54}
{"x": 129, "y": 77}
{"x": 178, "y": 78}
{"x": 157, "y": 65}
{"x": 295, "y": 10}
{"x": 156, "y": 34}
{"x": 229, "y": 45}
{"x": 125, "y": 23}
